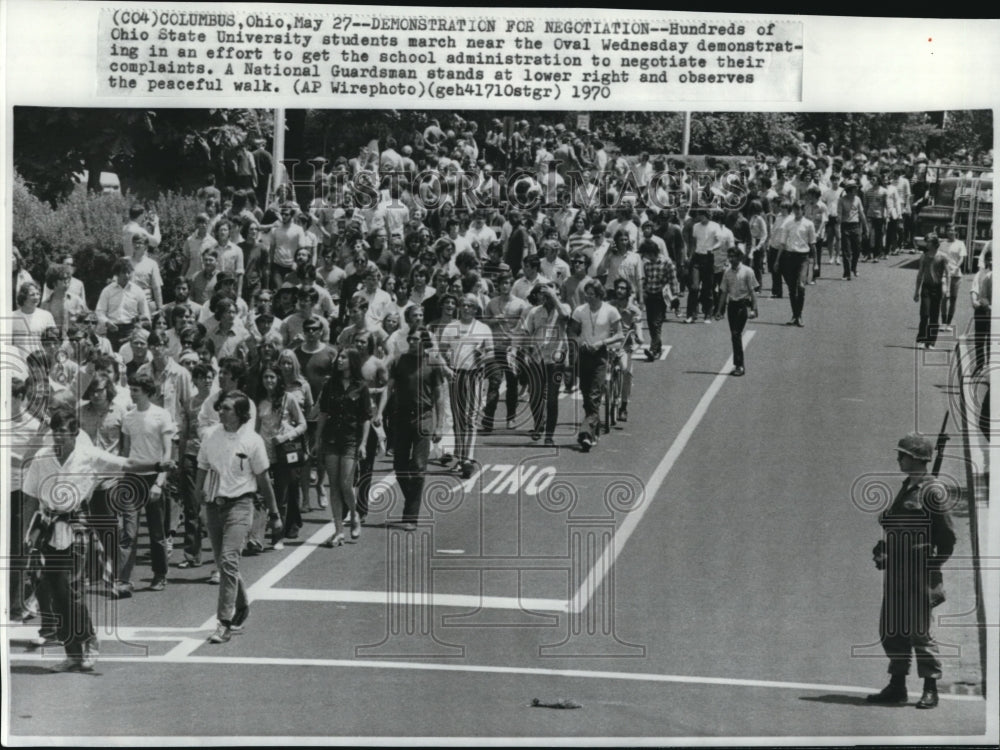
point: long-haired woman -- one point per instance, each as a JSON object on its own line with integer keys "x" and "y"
{"x": 280, "y": 421}
{"x": 345, "y": 412}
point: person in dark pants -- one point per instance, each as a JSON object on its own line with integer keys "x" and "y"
{"x": 706, "y": 239}
{"x": 660, "y": 288}
{"x": 147, "y": 434}
{"x": 502, "y": 315}
{"x": 61, "y": 480}
{"x": 982, "y": 293}
{"x": 932, "y": 287}
{"x": 918, "y": 539}
{"x": 799, "y": 246}
{"x": 544, "y": 328}
{"x": 738, "y": 299}
{"x": 853, "y": 226}
{"x": 597, "y": 325}
{"x": 376, "y": 376}
{"x": 418, "y": 389}
{"x": 776, "y": 240}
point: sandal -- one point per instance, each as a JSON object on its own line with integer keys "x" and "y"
{"x": 335, "y": 541}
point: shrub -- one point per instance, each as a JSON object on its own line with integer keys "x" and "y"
{"x": 89, "y": 227}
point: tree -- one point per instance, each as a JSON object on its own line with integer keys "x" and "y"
{"x": 152, "y": 150}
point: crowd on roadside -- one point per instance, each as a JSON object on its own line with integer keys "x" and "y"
{"x": 390, "y": 306}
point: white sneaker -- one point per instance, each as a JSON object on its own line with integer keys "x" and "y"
{"x": 222, "y": 634}
{"x": 279, "y": 545}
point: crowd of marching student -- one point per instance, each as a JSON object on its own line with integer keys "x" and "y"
{"x": 390, "y": 310}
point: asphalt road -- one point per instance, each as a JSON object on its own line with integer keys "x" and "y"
{"x": 704, "y": 572}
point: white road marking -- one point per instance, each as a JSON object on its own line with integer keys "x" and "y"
{"x": 119, "y": 632}
{"x": 262, "y": 585}
{"x": 416, "y": 598}
{"x": 607, "y": 560}
{"x": 665, "y": 352}
{"x": 488, "y": 669}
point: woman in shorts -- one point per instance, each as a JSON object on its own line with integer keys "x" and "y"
{"x": 345, "y": 412}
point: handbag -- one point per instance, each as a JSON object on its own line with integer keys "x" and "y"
{"x": 290, "y": 452}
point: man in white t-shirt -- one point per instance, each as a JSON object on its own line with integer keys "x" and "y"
{"x": 139, "y": 225}
{"x": 147, "y": 435}
{"x": 955, "y": 251}
{"x": 286, "y": 238}
{"x": 480, "y": 232}
{"x": 706, "y": 238}
{"x": 799, "y": 245}
{"x": 597, "y": 325}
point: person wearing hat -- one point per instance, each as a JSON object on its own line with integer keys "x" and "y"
{"x": 468, "y": 345}
{"x": 853, "y": 226}
{"x": 917, "y": 540}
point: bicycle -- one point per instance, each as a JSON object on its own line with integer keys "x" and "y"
{"x": 612, "y": 392}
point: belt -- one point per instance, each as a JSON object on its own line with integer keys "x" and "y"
{"x": 220, "y": 500}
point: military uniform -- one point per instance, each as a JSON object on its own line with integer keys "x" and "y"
{"x": 918, "y": 539}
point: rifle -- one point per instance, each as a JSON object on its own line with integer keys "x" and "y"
{"x": 942, "y": 438}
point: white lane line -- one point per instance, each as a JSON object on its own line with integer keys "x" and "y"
{"x": 494, "y": 670}
{"x": 121, "y": 632}
{"x": 665, "y": 352}
{"x": 417, "y": 598}
{"x": 275, "y": 574}
{"x": 607, "y": 560}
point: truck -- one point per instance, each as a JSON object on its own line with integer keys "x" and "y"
{"x": 956, "y": 194}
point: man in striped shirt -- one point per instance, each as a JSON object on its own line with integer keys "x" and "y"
{"x": 876, "y": 202}
{"x": 659, "y": 287}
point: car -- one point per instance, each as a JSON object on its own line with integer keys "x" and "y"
{"x": 109, "y": 181}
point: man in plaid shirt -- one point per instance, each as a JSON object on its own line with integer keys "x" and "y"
{"x": 659, "y": 287}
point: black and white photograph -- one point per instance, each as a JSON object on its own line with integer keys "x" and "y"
{"x": 496, "y": 425}
{"x": 431, "y": 394}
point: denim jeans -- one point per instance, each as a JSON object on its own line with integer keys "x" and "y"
{"x": 228, "y": 523}
{"x": 132, "y": 494}
{"x": 700, "y": 284}
{"x": 850, "y": 247}
{"x": 737, "y": 313}
{"x": 656, "y": 311}
{"x": 791, "y": 271}
{"x": 65, "y": 594}
{"x": 499, "y": 371}
{"x": 193, "y": 522}
{"x": 593, "y": 370}
{"x": 410, "y": 451}
{"x": 930, "y": 312}
{"x": 544, "y": 395}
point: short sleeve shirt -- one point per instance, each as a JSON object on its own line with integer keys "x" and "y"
{"x": 146, "y": 431}
{"x": 346, "y": 410}
{"x": 237, "y": 457}
{"x": 738, "y": 284}
{"x": 596, "y": 326}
